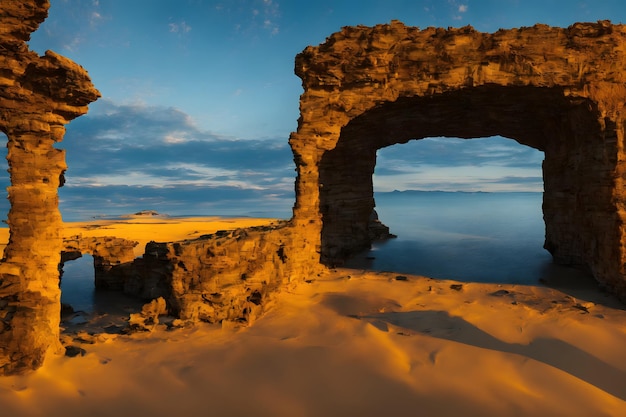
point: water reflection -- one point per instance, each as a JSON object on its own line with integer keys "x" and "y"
{"x": 478, "y": 237}
{"x": 93, "y": 310}
{"x": 77, "y": 284}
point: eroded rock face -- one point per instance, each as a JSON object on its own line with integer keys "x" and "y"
{"x": 227, "y": 276}
{"x": 559, "y": 90}
{"x": 111, "y": 257}
{"x": 38, "y": 97}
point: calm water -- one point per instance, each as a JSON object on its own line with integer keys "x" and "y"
{"x": 480, "y": 237}
{"x": 477, "y": 237}
{"x": 77, "y": 284}
{"x": 78, "y": 290}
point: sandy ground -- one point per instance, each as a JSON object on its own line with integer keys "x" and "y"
{"x": 357, "y": 343}
{"x": 160, "y": 229}
{"x": 144, "y": 229}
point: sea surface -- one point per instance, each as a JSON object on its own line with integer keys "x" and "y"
{"x": 472, "y": 237}
{"x": 469, "y": 237}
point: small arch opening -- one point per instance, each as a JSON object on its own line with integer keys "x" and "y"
{"x": 77, "y": 286}
{"x": 85, "y": 307}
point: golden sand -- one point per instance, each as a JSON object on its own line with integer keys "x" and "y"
{"x": 145, "y": 229}
{"x": 353, "y": 343}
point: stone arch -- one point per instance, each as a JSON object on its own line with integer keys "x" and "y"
{"x": 111, "y": 257}
{"x": 557, "y": 90}
{"x": 529, "y": 115}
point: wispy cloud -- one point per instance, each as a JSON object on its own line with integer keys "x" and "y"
{"x": 452, "y": 164}
{"x": 68, "y": 32}
{"x": 117, "y": 150}
{"x": 131, "y": 157}
{"x": 458, "y": 9}
{"x": 263, "y": 14}
{"x": 271, "y": 14}
{"x": 180, "y": 27}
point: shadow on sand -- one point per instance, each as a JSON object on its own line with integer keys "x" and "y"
{"x": 550, "y": 351}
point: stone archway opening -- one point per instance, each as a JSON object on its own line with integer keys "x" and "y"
{"x": 77, "y": 276}
{"x": 92, "y": 283}
{"x": 477, "y": 217}
{"x": 540, "y": 117}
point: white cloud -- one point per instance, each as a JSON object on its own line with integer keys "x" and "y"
{"x": 451, "y": 164}
{"x": 181, "y": 27}
{"x": 271, "y": 12}
{"x": 194, "y": 175}
{"x": 173, "y": 138}
{"x": 95, "y": 17}
{"x": 457, "y": 9}
{"x": 462, "y": 178}
{"x": 72, "y": 44}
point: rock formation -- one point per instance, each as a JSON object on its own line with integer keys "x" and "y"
{"x": 559, "y": 90}
{"x": 229, "y": 275}
{"x": 38, "y": 96}
{"x": 111, "y": 255}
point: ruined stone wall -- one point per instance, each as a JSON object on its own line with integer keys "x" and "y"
{"x": 559, "y": 90}
{"x": 230, "y": 275}
{"x": 111, "y": 255}
{"x": 38, "y": 96}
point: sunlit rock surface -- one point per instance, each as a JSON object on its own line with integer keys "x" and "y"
{"x": 559, "y": 90}
{"x": 229, "y": 275}
{"x": 110, "y": 257}
{"x": 38, "y": 96}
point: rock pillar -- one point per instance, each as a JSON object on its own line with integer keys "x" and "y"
{"x": 38, "y": 96}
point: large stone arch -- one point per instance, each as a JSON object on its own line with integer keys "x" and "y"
{"x": 39, "y": 95}
{"x": 558, "y": 90}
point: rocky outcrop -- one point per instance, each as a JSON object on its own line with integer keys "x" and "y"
{"x": 111, "y": 257}
{"x": 227, "y": 276}
{"x": 559, "y": 90}
{"x": 38, "y": 96}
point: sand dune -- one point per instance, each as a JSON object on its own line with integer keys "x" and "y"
{"x": 357, "y": 343}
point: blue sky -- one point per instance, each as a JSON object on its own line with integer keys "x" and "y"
{"x": 199, "y": 98}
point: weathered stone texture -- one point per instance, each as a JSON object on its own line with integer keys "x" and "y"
{"x": 229, "y": 276}
{"x": 111, "y": 257}
{"x": 38, "y": 96}
{"x": 559, "y": 90}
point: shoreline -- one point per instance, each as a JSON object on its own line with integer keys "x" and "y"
{"x": 144, "y": 229}
{"x": 354, "y": 343}
{"x": 348, "y": 342}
